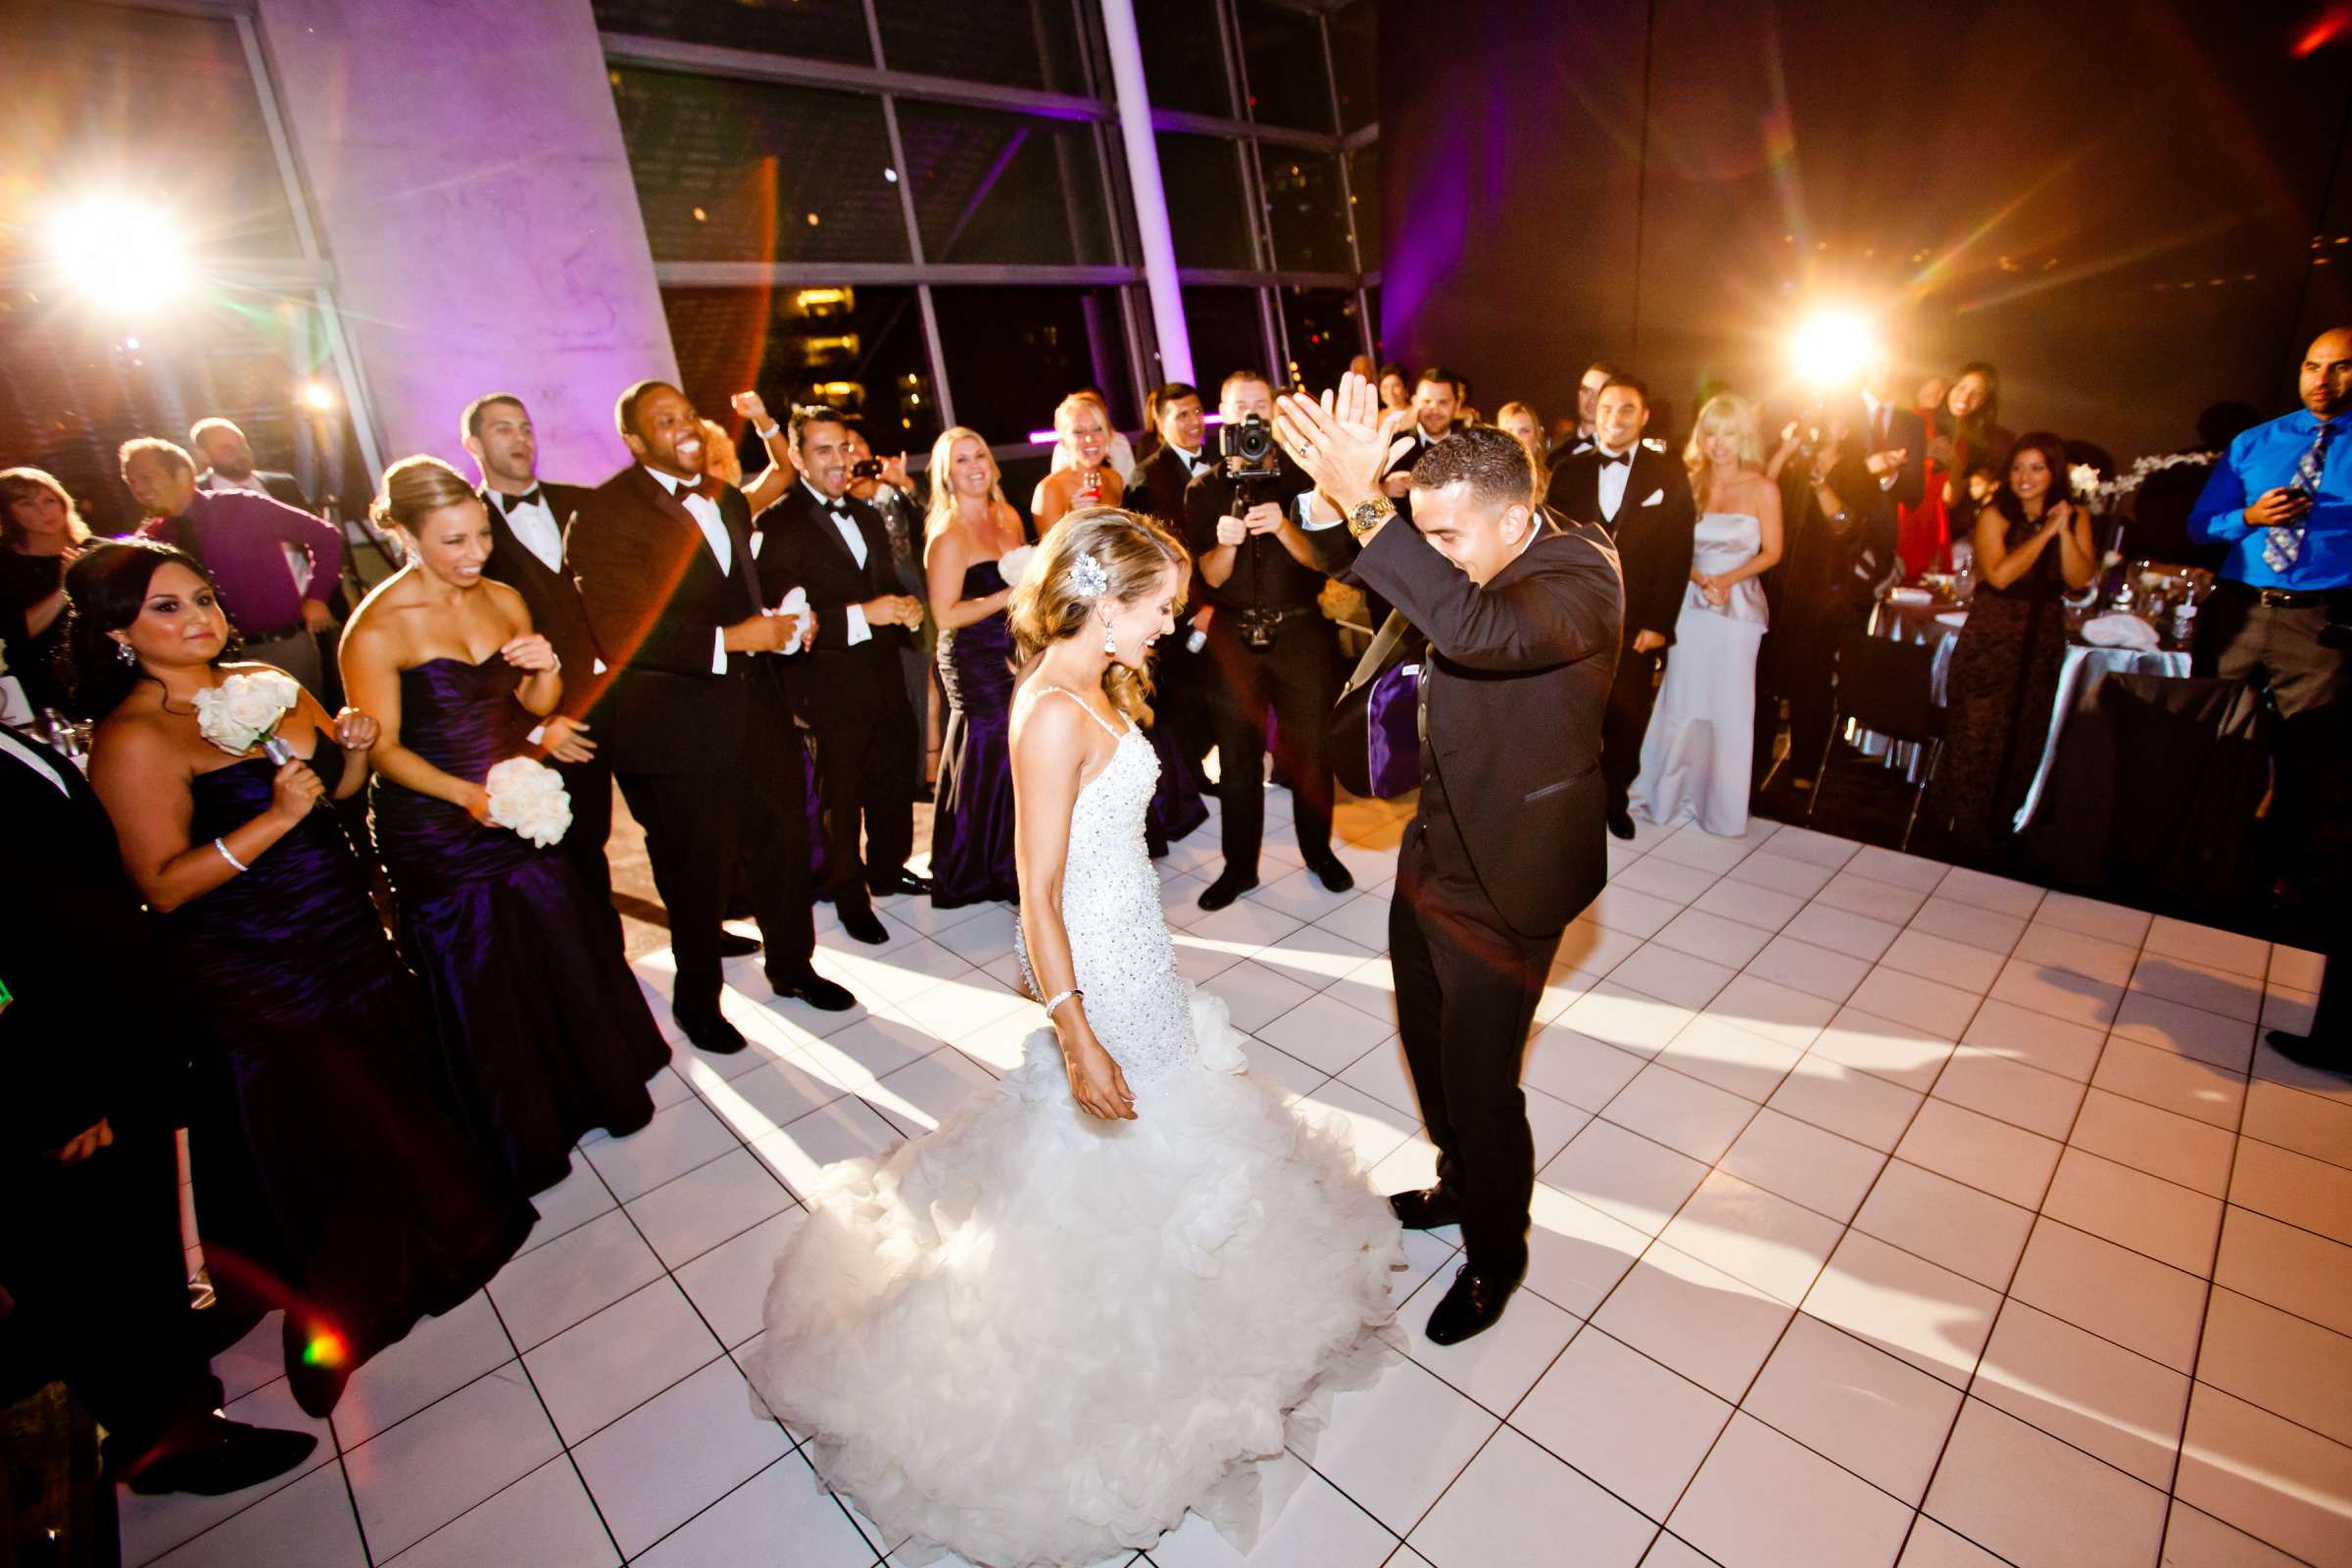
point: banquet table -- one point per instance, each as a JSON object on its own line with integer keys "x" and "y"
{"x": 1932, "y": 622}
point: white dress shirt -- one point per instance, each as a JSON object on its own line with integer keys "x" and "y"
{"x": 853, "y": 616}
{"x": 704, "y": 513}
{"x": 33, "y": 759}
{"x": 534, "y": 525}
{"x": 1615, "y": 473}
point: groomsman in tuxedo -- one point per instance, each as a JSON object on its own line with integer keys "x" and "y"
{"x": 1640, "y": 493}
{"x": 1523, "y": 619}
{"x": 882, "y": 484}
{"x": 850, "y": 692}
{"x": 90, "y": 1247}
{"x": 1897, "y": 441}
{"x": 700, "y": 732}
{"x": 1182, "y": 677}
{"x": 1437, "y": 401}
{"x": 529, "y": 518}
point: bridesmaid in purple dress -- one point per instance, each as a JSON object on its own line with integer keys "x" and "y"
{"x": 970, "y": 529}
{"x": 545, "y": 1032}
{"x": 329, "y": 1178}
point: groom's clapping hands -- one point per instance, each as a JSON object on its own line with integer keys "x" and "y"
{"x": 1341, "y": 440}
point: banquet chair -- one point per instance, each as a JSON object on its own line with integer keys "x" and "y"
{"x": 1887, "y": 687}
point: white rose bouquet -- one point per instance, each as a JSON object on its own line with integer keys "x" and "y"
{"x": 243, "y": 711}
{"x": 1013, "y": 564}
{"x": 530, "y": 796}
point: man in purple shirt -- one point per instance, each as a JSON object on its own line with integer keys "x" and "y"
{"x": 242, "y": 538}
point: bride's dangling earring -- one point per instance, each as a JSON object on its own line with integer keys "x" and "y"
{"x": 1110, "y": 640}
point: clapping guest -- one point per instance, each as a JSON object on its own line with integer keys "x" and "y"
{"x": 42, "y": 531}
{"x": 1695, "y": 755}
{"x": 531, "y": 524}
{"x": 543, "y": 1031}
{"x": 852, "y": 690}
{"x": 777, "y": 476}
{"x": 2032, "y": 545}
{"x": 970, "y": 530}
{"x": 1092, "y": 477}
{"x": 329, "y": 1180}
{"x": 242, "y": 539}
{"x": 90, "y": 1249}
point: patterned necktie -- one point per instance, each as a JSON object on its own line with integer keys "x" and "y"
{"x": 2285, "y": 543}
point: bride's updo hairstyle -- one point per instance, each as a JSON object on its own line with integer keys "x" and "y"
{"x": 414, "y": 486}
{"x": 1051, "y": 602}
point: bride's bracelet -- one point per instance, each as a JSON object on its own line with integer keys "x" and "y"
{"x": 1061, "y": 997}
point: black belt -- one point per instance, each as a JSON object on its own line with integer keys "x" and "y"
{"x": 2278, "y": 598}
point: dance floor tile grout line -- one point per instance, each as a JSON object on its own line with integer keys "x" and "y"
{"x": 1673, "y": 1103}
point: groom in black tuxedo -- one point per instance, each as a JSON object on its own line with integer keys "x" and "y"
{"x": 528, "y": 521}
{"x": 1523, "y": 619}
{"x": 852, "y": 691}
{"x": 1640, "y": 494}
{"x": 700, "y": 733}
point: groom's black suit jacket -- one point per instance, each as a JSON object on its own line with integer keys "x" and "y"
{"x": 655, "y": 603}
{"x": 1511, "y": 700}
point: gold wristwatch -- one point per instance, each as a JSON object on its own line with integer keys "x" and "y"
{"x": 1367, "y": 516}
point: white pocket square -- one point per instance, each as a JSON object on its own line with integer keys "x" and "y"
{"x": 1654, "y": 497}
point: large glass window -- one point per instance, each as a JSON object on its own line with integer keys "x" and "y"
{"x": 1305, "y": 209}
{"x": 859, "y": 348}
{"x": 1184, "y": 57}
{"x": 1282, "y": 55}
{"x": 1008, "y": 189}
{"x": 1227, "y": 334}
{"x": 1012, "y": 354}
{"x": 1208, "y": 212}
{"x": 730, "y": 171}
{"x": 1018, "y": 44}
{"x": 1363, "y": 188}
{"x": 1325, "y": 330}
{"x": 820, "y": 29}
{"x": 1354, "y": 63}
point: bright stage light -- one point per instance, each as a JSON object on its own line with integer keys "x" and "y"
{"x": 317, "y": 396}
{"x": 1832, "y": 348}
{"x": 118, "y": 253}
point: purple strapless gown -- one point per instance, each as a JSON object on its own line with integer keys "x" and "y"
{"x": 544, "y": 1031}
{"x": 330, "y": 1176}
{"x": 971, "y": 814}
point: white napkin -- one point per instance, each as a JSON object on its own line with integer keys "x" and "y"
{"x": 796, "y": 604}
{"x": 1909, "y": 596}
{"x": 2119, "y": 630}
{"x": 1952, "y": 618}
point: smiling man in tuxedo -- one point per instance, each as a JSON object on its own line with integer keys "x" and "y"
{"x": 700, "y": 733}
{"x": 1641, "y": 494}
{"x": 851, "y": 692}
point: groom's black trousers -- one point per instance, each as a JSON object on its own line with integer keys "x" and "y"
{"x": 1467, "y": 987}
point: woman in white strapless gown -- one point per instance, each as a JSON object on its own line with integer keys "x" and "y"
{"x": 1105, "y": 1289}
{"x": 1698, "y": 753}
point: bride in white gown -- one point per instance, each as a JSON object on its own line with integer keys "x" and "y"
{"x": 1108, "y": 1287}
{"x": 1698, "y": 753}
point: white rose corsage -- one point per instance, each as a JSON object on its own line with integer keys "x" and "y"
{"x": 243, "y": 711}
{"x": 1013, "y": 564}
{"x": 530, "y": 796}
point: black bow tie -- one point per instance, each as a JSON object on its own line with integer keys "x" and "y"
{"x": 529, "y": 498}
{"x": 1626, "y": 459}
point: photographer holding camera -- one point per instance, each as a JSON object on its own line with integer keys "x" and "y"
{"x": 1270, "y": 645}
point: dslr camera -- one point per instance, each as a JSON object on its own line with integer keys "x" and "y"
{"x": 1248, "y": 450}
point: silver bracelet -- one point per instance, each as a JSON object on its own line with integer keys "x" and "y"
{"x": 769, "y": 434}
{"x": 230, "y": 858}
{"x": 1061, "y": 997}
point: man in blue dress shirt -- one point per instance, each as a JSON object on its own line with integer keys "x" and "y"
{"x": 2282, "y": 501}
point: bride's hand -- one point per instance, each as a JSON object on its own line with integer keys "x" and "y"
{"x": 1096, "y": 1083}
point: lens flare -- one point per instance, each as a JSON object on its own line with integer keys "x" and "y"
{"x": 325, "y": 1348}
{"x": 118, "y": 253}
{"x": 1831, "y": 349}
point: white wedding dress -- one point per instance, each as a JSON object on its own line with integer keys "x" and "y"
{"x": 1698, "y": 753}
{"x": 1032, "y": 1337}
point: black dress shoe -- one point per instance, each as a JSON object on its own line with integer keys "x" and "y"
{"x": 316, "y": 1369}
{"x": 866, "y": 925}
{"x": 212, "y": 1454}
{"x": 1336, "y": 877}
{"x": 900, "y": 881}
{"x": 1227, "y": 888}
{"x": 1472, "y": 1307}
{"x": 1426, "y": 1208}
{"x": 731, "y": 945}
{"x": 815, "y": 990}
{"x": 712, "y": 1034}
{"x": 1621, "y": 824}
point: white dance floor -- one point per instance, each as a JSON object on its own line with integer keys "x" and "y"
{"x": 1887, "y": 1214}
